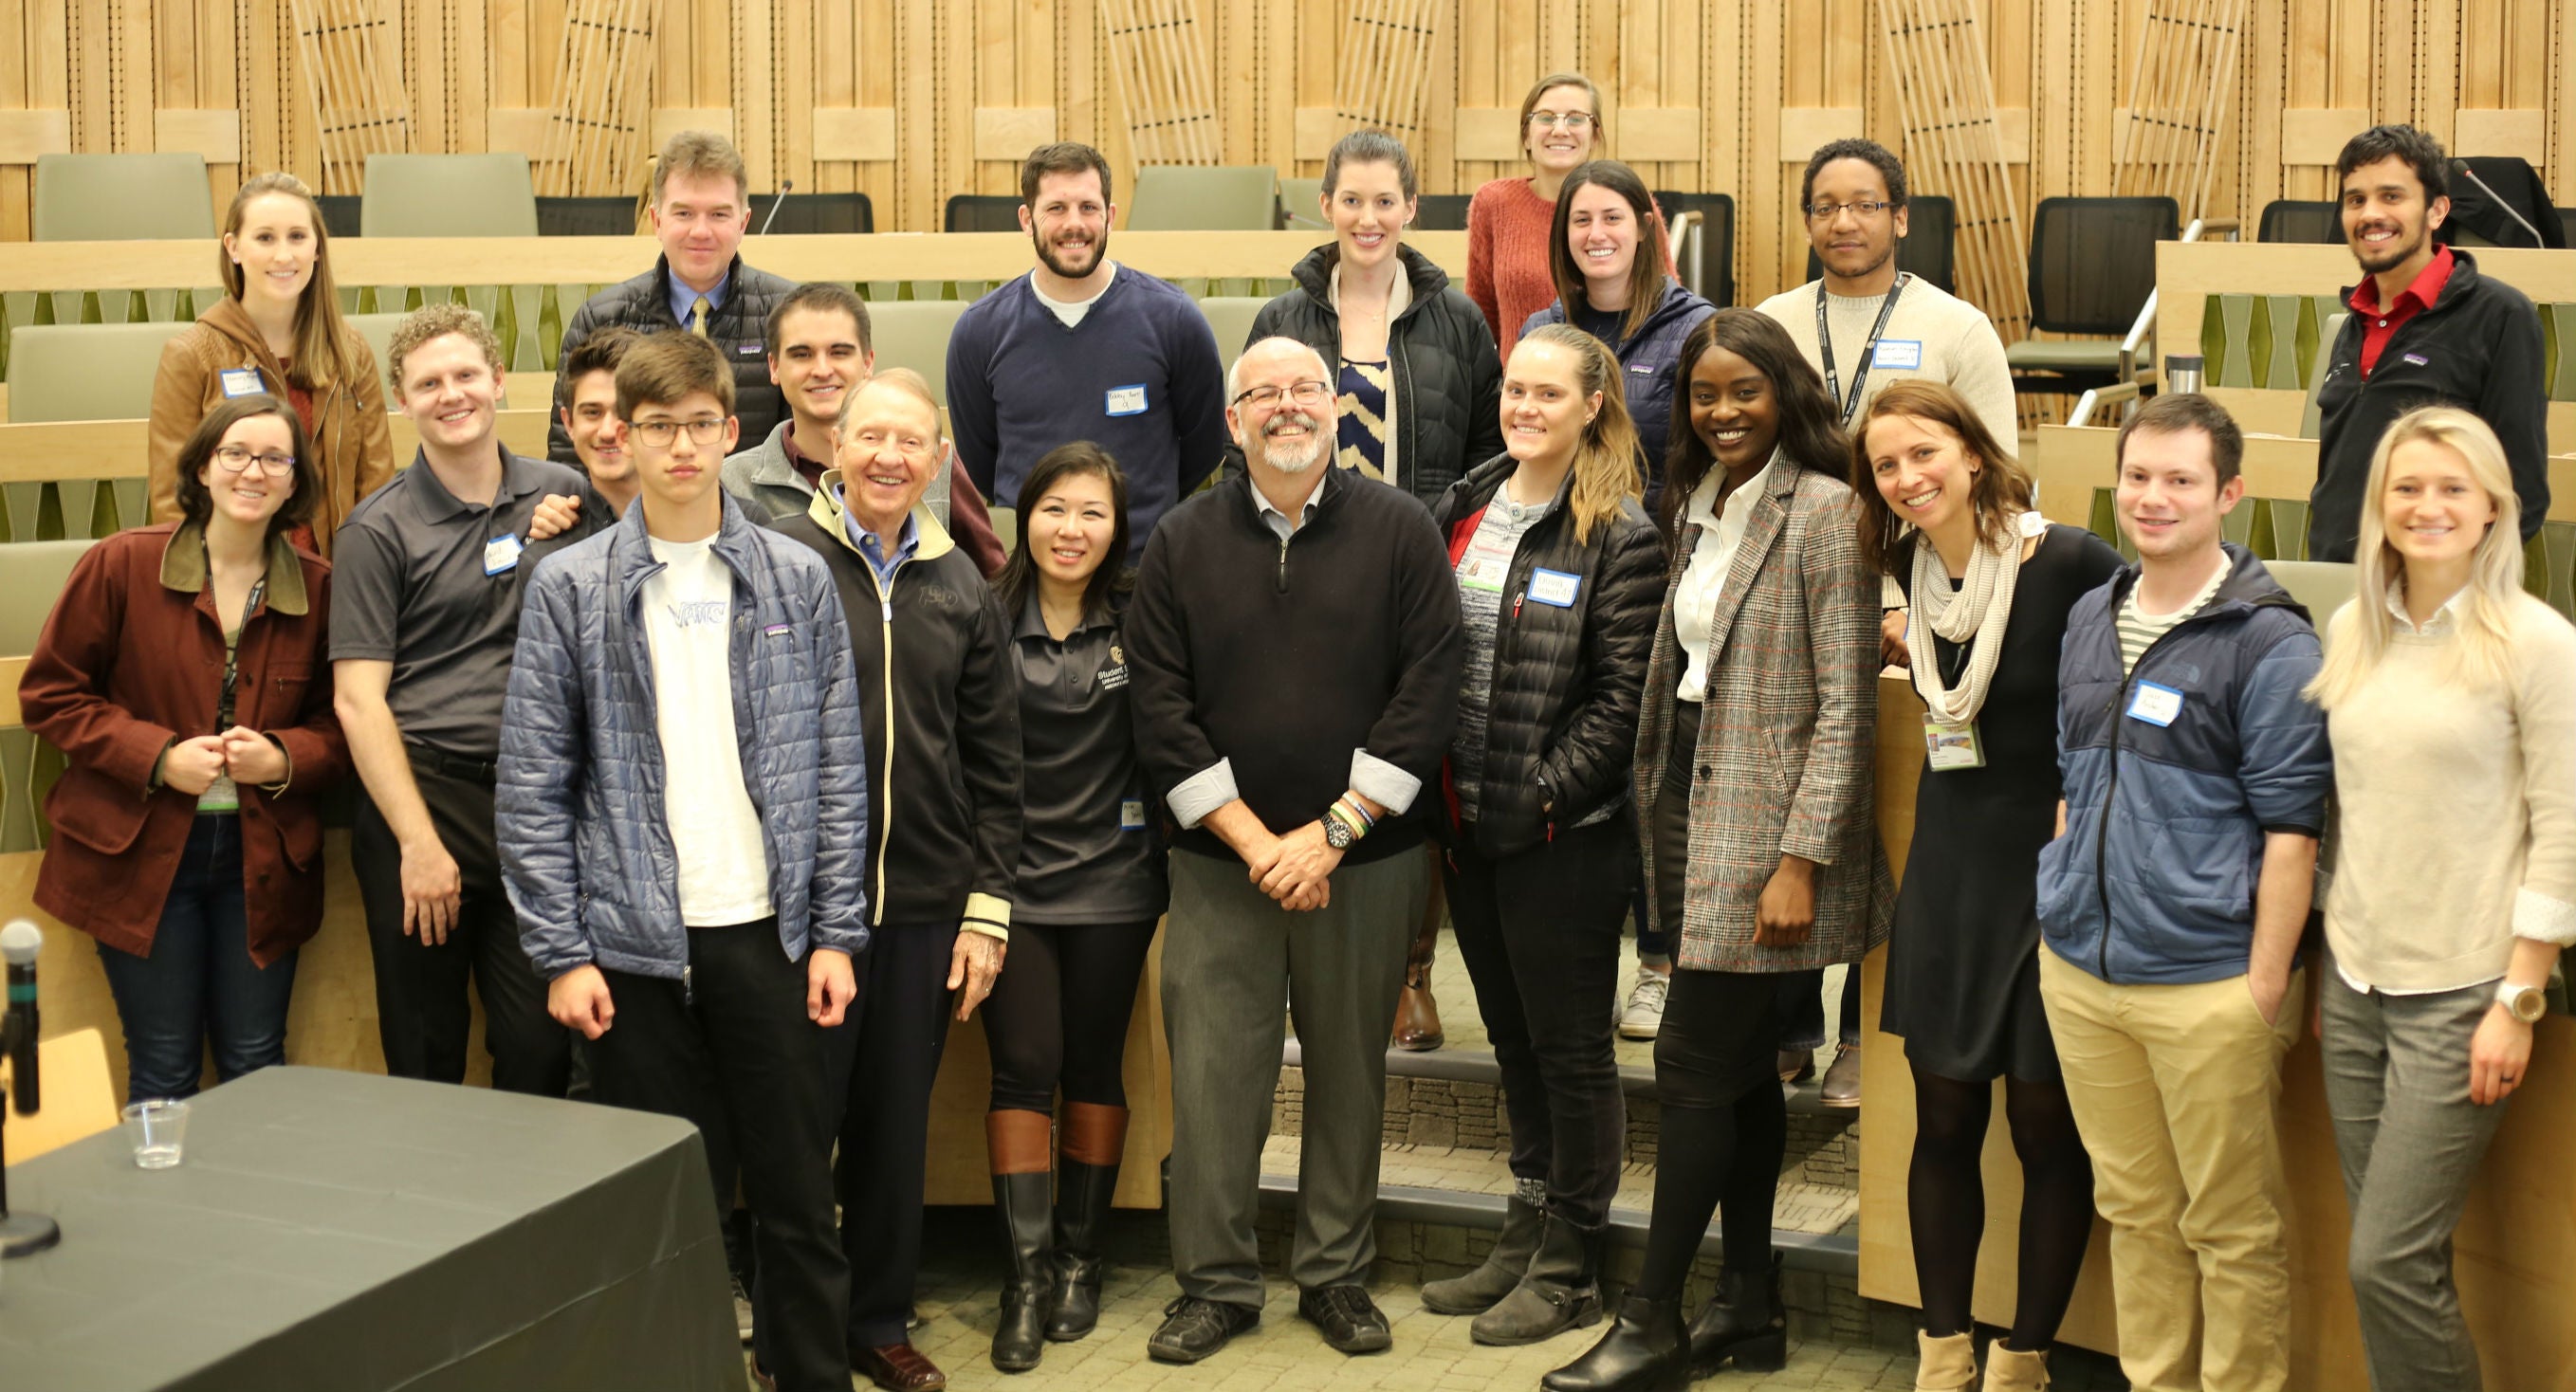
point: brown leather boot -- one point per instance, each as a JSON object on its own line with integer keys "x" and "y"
{"x": 1417, "y": 1015}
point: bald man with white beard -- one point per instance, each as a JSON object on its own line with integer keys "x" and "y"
{"x": 1295, "y": 648}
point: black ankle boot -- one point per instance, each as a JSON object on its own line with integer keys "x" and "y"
{"x": 1081, "y": 1214}
{"x": 1645, "y": 1351}
{"x": 1555, "y": 1294}
{"x": 1743, "y": 1322}
{"x": 1478, "y": 1290}
{"x": 1020, "y": 1201}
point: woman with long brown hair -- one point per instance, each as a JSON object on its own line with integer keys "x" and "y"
{"x": 1947, "y": 512}
{"x": 278, "y": 332}
{"x": 1559, "y": 573}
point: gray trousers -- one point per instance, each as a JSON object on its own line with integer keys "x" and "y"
{"x": 2397, "y": 1083}
{"x": 1231, "y": 956}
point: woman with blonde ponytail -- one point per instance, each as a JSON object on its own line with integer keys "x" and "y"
{"x": 2450, "y": 696}
{"x": 1559, "y": 578}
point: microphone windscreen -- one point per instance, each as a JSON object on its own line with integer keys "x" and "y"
{"x": 20, "y": 942}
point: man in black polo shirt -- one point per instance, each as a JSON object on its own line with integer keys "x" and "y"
{"x": 1295, "y": 652}
{"x": 425, "y": 596}
{"x": 701, "y": 209}
{"x": 2426, "y": 329}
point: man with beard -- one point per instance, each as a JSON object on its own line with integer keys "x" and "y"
{"x": 2425, "y": 328}
{"x": 1295, "y": 648}
{"x": 1085, "y": 349}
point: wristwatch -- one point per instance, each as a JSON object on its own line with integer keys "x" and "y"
{"x": 1338, "y": 833}
{"x": 2528, "y": 1003}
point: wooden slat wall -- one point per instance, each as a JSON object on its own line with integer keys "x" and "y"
{"x": 1763, "y": 78}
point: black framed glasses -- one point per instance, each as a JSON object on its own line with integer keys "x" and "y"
{"x": 233, "y": 459}
{"x": 660, "y": 433}
{"x": 1303, "y": 393}
{"x": 1864, "y": 209}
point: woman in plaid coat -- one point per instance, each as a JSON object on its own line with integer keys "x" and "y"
{"x": 1755, "y": 803}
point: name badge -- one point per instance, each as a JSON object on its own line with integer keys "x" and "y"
{"x": 1131, "y": 814}
{"x": 2156, "y": 705}
{"x": 1898, "y": 352}
{"x": 1112, "y": 678}
{"x": 501, "y": 554}
{"x": 241, "y": 381}
{"x": 1952, "y": 745}
{"x": 1127, "y": 401}
{"x": 1554, "y": 587}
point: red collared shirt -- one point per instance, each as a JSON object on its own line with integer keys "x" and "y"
{"x": 813, "y": 470}
{"x": 2378, "y": 328}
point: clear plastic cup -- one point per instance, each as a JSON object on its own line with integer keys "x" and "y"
{"x": 158, "y": 1126}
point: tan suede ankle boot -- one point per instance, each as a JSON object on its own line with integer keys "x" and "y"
{"x": 2011, "y": 1370}
{"x": 1946, "y": 1364}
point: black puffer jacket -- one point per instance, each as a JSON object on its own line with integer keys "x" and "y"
{"x": 738, "y": 327}
{"x": 1561, "y": 721}
{"x": 1448, "y": 379}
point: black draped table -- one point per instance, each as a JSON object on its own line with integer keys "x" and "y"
{"x": 344, "y": 1231}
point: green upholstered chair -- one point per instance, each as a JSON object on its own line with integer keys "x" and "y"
{"x": 914, "y": 334}
{"x": 81, "y": 372}
{"x": 31, "y": 578}
{"x": 114, "y": 198}
{"x": 449, "y": 196}
{"x": 1301, "y": 204}
{"x": 1231, "y": 317}
{"x": 1204, "y": 198}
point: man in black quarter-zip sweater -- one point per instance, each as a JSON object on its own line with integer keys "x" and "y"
{"x": 1295, "y": 648}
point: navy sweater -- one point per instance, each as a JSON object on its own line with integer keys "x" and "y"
{"x": 1020, "y": 383}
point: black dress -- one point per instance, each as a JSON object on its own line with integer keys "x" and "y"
{"x": 1963, "y": 959}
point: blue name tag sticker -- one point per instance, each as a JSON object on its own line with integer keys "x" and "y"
{"x": 241, "y": 381}
{"x": 1131, "y": 814}
{"x": 1898, "y": 353}
{"x": 1554, "y": 587}
{"x": 501, "y": 554}
{"x": 2156, "y": 705}
{"x": 1126, "y": 401}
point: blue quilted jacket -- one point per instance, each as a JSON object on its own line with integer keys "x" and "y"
{"x": 585, "y": 849}
{"x": 1652, "y": 361}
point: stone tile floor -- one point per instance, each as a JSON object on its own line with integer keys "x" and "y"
{"x": 961, "y": 1274}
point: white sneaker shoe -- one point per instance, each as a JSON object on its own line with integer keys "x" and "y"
{"x": 1644, "y": 1017}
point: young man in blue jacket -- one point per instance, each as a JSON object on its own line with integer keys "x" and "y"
{"x": 683, "y": 816}
{"x": 2172, "y": 902}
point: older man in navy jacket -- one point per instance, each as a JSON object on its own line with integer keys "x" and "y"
{"x": 683, "y": 816}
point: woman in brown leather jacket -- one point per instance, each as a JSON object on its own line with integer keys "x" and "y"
{"x": 277, "y": 331}
{"x": 185, "y": 676}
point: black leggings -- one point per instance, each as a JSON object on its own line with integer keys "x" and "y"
{"x": 1945, "y": 1200}
{"x": 1059, "y": 1012}
{"x": 1725, "y": 1129}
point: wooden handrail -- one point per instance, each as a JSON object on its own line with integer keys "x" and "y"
{"x": 882, "y": 256}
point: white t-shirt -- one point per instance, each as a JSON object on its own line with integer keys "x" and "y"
{"x": 724, "y": 863}
{"x": 1703, "y": 579}
{"x": 1072, "y": 312}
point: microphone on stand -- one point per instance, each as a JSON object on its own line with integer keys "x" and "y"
{"x": 785, "y": 187}
{"x": 21, "y": 1234}
{"x": 2458, "y": 166}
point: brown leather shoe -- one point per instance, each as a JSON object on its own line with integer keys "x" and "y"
{"x": 897, "y": 1368}
{"x": 1417, "y": 1015}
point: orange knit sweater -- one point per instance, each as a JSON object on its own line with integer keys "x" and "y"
{"x": 1507, "y": 274}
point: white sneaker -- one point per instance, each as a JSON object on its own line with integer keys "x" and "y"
{"x": 1644, "y": 1017}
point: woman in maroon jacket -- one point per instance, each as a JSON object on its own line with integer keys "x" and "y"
{"x": 184, "y": 675}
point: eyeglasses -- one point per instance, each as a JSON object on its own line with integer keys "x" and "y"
{"x": 1303, "y": 393}
{"x": 1866, "y": 208}
{"x": 1572, "y": 120}
{"x": 233, "y": 459}
{"x": 659, "y": 433}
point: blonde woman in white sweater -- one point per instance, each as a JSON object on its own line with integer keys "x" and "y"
{"x": 2451, "y": 700}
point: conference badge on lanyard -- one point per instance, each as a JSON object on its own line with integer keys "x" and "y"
{"x": 1952, "y": 744}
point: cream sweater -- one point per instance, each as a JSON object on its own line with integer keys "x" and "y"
{"x": 1946, "y": 338}
{"x": 2458, "y": 811}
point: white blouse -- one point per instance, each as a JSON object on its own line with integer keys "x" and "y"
{"x": 1704, "y": 578}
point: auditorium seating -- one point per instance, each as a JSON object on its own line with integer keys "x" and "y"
{"x": 127, "y": 197}
{"x": 1707, "y": 267}
{"x": 2092, "y": 267}
{"x": 448, "y": 196}
{"x": 981, "y": 212}
{"x": 2300, "y": 220}
{"x": 1204, "y": 198}
{"x": 1231, "y": 317}
{"x": 914, "y": 334}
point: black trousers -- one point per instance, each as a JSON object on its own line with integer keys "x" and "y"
{"x": 1059, "y": 1013}
{"x": 1539, "y": 932}
{"x": 882, "y": 1066}
{"x": 734, "y": 1053}
{"x": 421, "y": 1010}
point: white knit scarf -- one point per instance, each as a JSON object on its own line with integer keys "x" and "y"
{"x": 1974, "y": 616}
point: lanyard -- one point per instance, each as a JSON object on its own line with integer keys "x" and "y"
{"x": 1869, "y": 350}
{"x": 232, "y": 649}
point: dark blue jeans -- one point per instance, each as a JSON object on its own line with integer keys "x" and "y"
{"x": 199, "y": 983}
